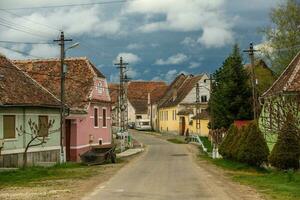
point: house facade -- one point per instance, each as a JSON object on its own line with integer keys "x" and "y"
{"x": 282, "y": 95}
{"x": 177, "y": 109}
{"x": 137, "y": 98}
{"x": 22, "y": 100}
{"x": 88, "y": 122}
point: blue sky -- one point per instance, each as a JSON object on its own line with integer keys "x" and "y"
{"x": 159, "y": 38}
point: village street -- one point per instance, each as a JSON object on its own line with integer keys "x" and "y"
{"x": 167, "y": 171}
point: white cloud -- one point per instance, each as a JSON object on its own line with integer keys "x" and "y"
{"x": 172, "y": 60}
{"x": 186, "y": 15}
{"x": 45, "y": 51}
{"x": 170, "y": 75}
{"x": 188, "y": 41}
{"x": 128, "y": 58}
{"x": 131, "y": 73}
{"x": 135, "y": 46}
{"x": 215, "y": 37}
{"x": 194, "y": 65}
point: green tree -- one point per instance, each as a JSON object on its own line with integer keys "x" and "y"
{"x": 283, "y": 36}
{"x": 286, "y": 152}
{"x": 231, "y": 93}
{"x": 225, "y": 147}
{"x": 253, "y": 148}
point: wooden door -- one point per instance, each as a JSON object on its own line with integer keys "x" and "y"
{"x": 181, "y": 125}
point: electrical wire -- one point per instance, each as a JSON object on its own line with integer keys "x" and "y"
{"x": 20, "y": 52}
{"x": 71, "y": 5}
{"x": 14, "y": 42}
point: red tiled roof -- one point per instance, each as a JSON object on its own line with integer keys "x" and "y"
{"x": 138, "y": 94}
{"x": 288, "y": 81}
{"x": 182, "y": 85}
{"x": 158, "y": 93}
{"x": 79, "y": 78}
{"x": 19, "y": 89}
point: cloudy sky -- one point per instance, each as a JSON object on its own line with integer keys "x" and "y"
{"x": 159, "y": 38}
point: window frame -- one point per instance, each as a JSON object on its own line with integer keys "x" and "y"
{"x": 99, "y": 88}
{"x": 46, "y": 116}
{"x": 15, "y": 132}
{"x": 206, "y": 99}
{"x": 104, "y": 118}
{"x": 96, "y": 117}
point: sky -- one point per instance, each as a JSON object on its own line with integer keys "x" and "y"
{"x": 158, "y": 38}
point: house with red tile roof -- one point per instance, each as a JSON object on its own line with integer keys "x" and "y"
{"x": 87, "y": 97}
{"x": 22, "y": 99}
{"x": 138, "y": 98}
{"x": 177, "y": 107}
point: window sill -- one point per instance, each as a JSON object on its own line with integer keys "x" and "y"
{"x": 10, "y": 140}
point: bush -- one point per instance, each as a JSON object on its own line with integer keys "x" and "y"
{"x": 253, "y": 148}
{"x": 286, "y": 152}
{"x": 225, "y": 147}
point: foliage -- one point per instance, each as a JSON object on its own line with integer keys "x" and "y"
{"x": 286, "y": 152}
{"x": 231, "y": 93}
{"x": 252, "y": 148}
{"x": 283, "y": 36}
{"x": 206, "y": 143}
{"x": 225, "y": 147}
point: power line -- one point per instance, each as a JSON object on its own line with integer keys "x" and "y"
{"x": 20, "y": 52}
{"x": 15, "y": 42}
{"x": 26, "y": 19}
{"x": 17, "y": 29}
{"x": 71, "y": 5}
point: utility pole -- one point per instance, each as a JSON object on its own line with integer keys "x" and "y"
{"x": 198, "y": 111}
{"x": 62, "y": 41}
{"x": 250, "y": 52}
{"x": 123, "y": 104}
{"x": 210, "y": 107}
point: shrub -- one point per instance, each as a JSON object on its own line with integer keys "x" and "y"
{"x": 225, "y": 147}
{"x": 286, "y": 151}
{"x": 253, "y": 148}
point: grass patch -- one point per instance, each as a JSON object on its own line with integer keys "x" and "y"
{"x": 176, "y": 141}
{"x": 206, "y": 143}
{"x": 276, "y": 185}
{"x": 31, "y": 175}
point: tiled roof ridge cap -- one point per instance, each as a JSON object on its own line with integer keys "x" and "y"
{"x": 48, "y": 59}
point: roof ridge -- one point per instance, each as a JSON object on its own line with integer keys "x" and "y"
{"x": 48, "y": 59}
{"x": 275, "y": 82}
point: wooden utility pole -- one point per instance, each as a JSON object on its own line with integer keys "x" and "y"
{"x": 250, "y": 52}
{"x": 62, "y": 41}
{"x": 198, "y": 111}
{"x": 123, "y": 104}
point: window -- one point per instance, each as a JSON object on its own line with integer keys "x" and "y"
{"x": 104, "y": 117}
{"x": 43, "y": 126}
{"x": 99, "y": 88}
{"x": 204, "y": 98}
{"x": 9, "y": 125}
{"x": 96, "y": 121}
{"x": 139, "y": 117}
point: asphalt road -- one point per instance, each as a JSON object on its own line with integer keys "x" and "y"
{"x": 166, "y": 171}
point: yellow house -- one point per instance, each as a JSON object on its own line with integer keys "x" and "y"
{"x": 177, "y": 108}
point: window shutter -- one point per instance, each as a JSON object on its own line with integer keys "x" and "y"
{"x": 9, "y": 126}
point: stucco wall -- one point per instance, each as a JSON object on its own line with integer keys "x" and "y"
{"x": 23, "y": 115}
{"x": 169, "y": 125}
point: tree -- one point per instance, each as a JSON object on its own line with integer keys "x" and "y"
{"x": 225, "y": 147}
{"x": 283, "y": 37}
{"x": 37, "y": 135}
{"x": 231, "y": 93}
{"x": 252, "y": 148}
{"x": 286, "y": 152}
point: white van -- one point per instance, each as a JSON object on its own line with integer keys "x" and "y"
{"x": 143, "y": 124}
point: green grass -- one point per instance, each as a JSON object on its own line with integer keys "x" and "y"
{"x": 206, "y": 143}
{"x": 176, "y": 141}
{"x": 29, "y": 176}
{"x": 274, "y": 184}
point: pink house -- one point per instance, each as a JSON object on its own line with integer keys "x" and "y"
{"x": 86, "y": 92}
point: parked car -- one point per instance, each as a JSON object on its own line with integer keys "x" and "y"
{"x": 143, "y": 124}
{"x": 131, "y": 125}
